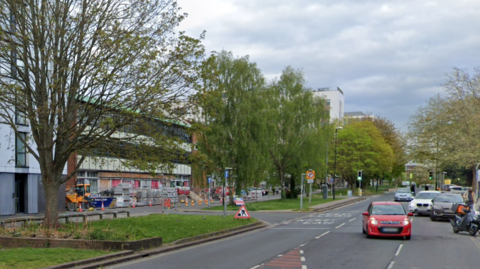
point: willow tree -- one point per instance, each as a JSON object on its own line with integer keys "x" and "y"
{"x": 296, "y": 138}
{"x": 80, "y": 70}
{"x": 231, "y": 129}
{"x": 447, "y": 129}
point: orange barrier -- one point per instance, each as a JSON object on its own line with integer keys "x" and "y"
{"x": 168, "y": 203}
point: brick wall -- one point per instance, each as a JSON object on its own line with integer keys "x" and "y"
{"x": 17, "y": 242}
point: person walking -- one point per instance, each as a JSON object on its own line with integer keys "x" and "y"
{"x": 412, "y": 188}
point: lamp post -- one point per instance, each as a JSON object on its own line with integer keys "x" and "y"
{"x": 209, "y": 179}
{"x": 301, "y": 193}
{"x": 335, "y": 163}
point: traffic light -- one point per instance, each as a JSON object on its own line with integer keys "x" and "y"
{"x": 430, "y": 175}
{"x": 359, "y": 175}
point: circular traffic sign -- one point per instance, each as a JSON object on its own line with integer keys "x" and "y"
{"x": 310, "y": 175}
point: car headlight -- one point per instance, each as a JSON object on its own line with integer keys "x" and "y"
{"x": 412, "y": 204}
{"x": 373, "y": 221}
{"x": 406, "y": 221}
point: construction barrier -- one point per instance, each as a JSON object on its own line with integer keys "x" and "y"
{"x": 186, "y": 202}
{"x": 168, "y": 203}
{"x": 199, "y": 202}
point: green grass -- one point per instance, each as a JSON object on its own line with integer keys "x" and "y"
{"x": 279, "y": 204}
{"x": 22, "y": 258}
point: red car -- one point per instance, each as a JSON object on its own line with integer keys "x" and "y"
{"x": 387, "y": 219}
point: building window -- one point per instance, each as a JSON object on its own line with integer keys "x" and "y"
{"x": 21, "y": 150}
{"x": 328, "y": 102}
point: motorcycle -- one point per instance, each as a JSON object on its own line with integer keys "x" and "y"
{"x": 467, "y": 222}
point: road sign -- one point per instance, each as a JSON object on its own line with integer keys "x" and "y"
{"x": 309, "y": 181}
{"x": 242, "y": 213}
{"x": 310, "y": 174}
{"x": 209, "y": 180}
{"x": 226, "y": 173}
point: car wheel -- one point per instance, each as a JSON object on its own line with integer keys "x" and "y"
{"x": 456, "y": 230}
{"x": 408, "y": 237}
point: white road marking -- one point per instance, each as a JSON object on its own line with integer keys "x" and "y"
{"x": 301, "y": 251}
{"x": 302, "y": 245}
{"x": 390, "y": 266}
{"x": 304, "y": 267}
{"x": 322, "y": 235}
{"x": 339, "y": 225}
{"x": 292, "y": 228}
{"x": 352, "y": 219}
{"x": 398, "y": 250}
{"x": 302, "y": 259}
{"x": 255, "y": 267}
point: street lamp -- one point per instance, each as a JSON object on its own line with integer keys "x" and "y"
{"x": 335, "y": 163}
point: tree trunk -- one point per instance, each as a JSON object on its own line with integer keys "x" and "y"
{"x": 51, "y": 209}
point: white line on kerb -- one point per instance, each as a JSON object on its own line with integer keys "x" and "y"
{"x": 301, "y": 251}
{"x": 390, "y": 266}
{"x": 339, "y": 225}
{"x": 398, "y": 250}
{"x": 304, "y": 267}
{"x": 322, "y": 235}
{"x": 255, "y": 267}
{"x": 302, "y": 259}
{"x": 352, "y": 219}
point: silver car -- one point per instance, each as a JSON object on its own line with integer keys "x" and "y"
{"x": 403, "y": 194}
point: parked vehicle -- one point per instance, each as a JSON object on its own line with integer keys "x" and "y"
{"x": 403, "y": 194}
{"x": 468, "y": 221}
{"x": 442, "y": 206}
{"x": 422, "y": 203}
{"x": 387, "y": 219}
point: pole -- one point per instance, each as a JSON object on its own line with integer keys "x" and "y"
{"x": 225, "y": 192}
{"x": 310, "y": 195}
{"x": 335, "y": 165}
{"x": 209, "y": 178}
{"x": 301, "y": 194}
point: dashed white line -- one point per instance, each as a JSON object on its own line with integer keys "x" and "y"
{"x": 322, "y": 235}
{"x": 339, "y": 225}
{"x": 302, "y": 259}
{"x": 255, "y": 267}
{"x": 352, "y": 219}
{"x": 301, "y": 251}
{"x": 390, "y": 266}
{"x": 398, "y": 250}
{"x": 304, "y": 267}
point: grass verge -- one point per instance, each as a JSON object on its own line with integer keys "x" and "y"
{"x": 279, "y": 204}
{"x": 23, "y": 258}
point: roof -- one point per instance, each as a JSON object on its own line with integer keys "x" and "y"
{"x": 385, "y": 203}
{"x": 354, "y": 113}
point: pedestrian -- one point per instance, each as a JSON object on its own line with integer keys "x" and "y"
{"x": 470, "y": 199}
{"x": 412, "y": 188}
{"x": 426, "y": 187}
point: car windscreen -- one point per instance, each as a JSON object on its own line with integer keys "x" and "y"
{"x": 387, "y": 210}
{"x": 403, "y": 191}
{"x": 426, "y": 195}
{"x": 449, "y": 199}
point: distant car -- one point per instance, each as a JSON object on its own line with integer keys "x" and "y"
{"x": 422, "y": 204}
{"x": 403, "y": 194}
{"x": 387, "y": 219}
{"x": 442, "y": 206}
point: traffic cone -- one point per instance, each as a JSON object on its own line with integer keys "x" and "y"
{"x": 103, "y": 209}
{"x": 193, "y": 202}
{"x": 199, "y": 202}
{"x": 80, "y": 208}
{"x": 150, "y": 202}
{"x": 206, "y": 201}
{"x": 133, "y": 204}
{"x": 186, "y": 202}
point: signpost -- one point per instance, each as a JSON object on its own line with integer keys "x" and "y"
{"x": 209, "y": 179}
{"x": 310, "y": 179}
{"x": 225, "y": 192}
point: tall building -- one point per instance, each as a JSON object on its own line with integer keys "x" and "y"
{"x": 334, "y": 99}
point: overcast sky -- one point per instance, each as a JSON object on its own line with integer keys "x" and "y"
{"x": 388, "y": 57}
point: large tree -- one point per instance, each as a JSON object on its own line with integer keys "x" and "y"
{"x": 231, "y": 129}
{"x": 297, "y": 121}
{"x": 83, "y": 69}
{"x": 446, "y": 130}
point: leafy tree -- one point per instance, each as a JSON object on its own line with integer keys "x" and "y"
{"x": 296, "y": 121}
{"x": 360, "y": 146}
{"x": 84, "y": 69}
{"x": 446, "y": 130}
{"x": 231, "y": 129}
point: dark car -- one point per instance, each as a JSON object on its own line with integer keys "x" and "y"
{"x": 442, "y": 205}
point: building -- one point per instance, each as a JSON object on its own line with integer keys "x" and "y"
{"x": 334, "y": 99}
{"x": 105, "y": 170}
{"x": 357, "y": 116}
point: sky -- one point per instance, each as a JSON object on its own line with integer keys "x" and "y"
{"x": 388, "y": 57}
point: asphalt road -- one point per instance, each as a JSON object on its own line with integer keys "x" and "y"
{"x": 327, "y": 240}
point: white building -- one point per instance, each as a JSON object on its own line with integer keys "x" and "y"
{"x": 334, "y": 100}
